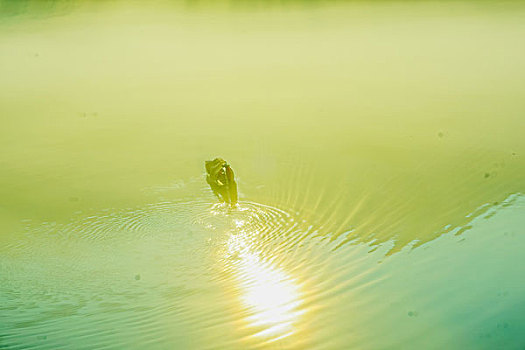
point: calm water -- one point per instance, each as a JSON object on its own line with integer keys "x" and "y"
{"x": 379, "y": 154}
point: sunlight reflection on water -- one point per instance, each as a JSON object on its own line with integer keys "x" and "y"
{"x": 269, "y": 293}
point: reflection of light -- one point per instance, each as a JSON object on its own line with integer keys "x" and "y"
{"x": 268, "y": 292}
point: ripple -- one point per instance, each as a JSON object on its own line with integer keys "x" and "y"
{"x": 182, "y": 252}
{"x": 244, "y": 277}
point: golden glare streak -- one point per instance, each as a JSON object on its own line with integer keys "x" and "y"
{"x": 309, "y": 186}
{"x": 350, "y": 216}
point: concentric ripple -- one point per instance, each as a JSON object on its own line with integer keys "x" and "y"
{"x": 149, "y": 268}
{"x": 200, "y": 275}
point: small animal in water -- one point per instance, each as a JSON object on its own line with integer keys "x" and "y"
{"x": 220, "y": 177}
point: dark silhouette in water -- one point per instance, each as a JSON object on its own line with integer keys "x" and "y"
{"x": 221, "y": 179}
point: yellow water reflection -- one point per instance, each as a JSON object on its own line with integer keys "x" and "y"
{"x": 271, "y": 296}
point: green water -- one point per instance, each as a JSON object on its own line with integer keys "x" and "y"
{"x": 378, "y": 149}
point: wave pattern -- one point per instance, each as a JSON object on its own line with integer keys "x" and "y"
{"x": 190, "y": 275}
{"x": 149, "y": 268}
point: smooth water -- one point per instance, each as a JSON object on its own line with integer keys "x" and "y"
{"x": 378, "y": 149}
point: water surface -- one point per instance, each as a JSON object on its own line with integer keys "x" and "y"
{"x": 379, "y": 155}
